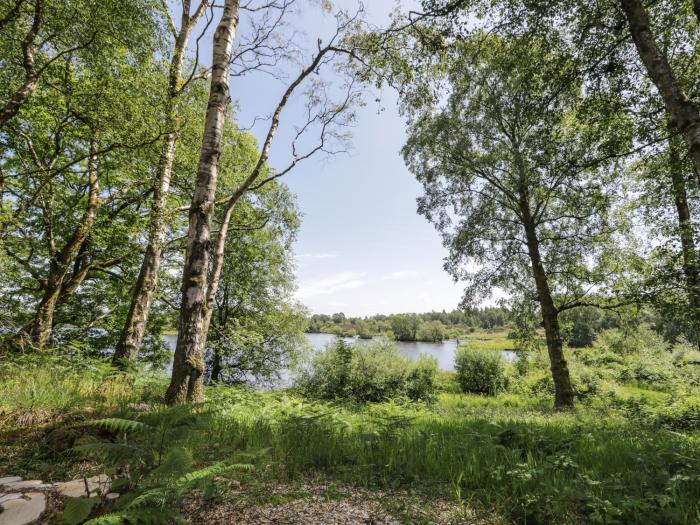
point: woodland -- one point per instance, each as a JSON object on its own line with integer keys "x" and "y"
{"x": 557, "y": 148}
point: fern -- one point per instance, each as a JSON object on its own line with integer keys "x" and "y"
{"x": 154, "y": 450}
{"x": 122, "y": 425}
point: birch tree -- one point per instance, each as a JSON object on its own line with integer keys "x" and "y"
{"x": 188, "y": 367}
{"x": 512, "y": 178}
{"x": 205, "y": 259}
{"x": 145, "y": 287}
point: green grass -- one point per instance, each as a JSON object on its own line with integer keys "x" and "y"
{"x": 489, "y": 340}
{"x": 531, "y": 464}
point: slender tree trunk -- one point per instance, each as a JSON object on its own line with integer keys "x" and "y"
{"x": 41, "y": 327}
{"x": 31, "y": 79}
{"x": 563, "y": 393}
{"x": 687, "y": 237}
{"x": 684, "y": 114}
{"x": 134, "y": 329}
{"x": 216, "y": 366}
{"x": 186, "y": 383}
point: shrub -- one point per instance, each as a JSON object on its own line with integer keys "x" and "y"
{"x": 373, "y": 371}
{"x": 681, "y": 415}
{"x": 480, "y": 371}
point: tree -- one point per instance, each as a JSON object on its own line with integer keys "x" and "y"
{"x": 514, "y": 175}
{"x": 69, "y": 173}
{"x": 188, "y": 367}
{"x": 405, "y": 326}
{"x": 679, "y": 106}
{"x": 256, "y": 326}
{"x": 145, "y": 286}
{"x": 38, "y": 35}
{"x": 200, "y": 281}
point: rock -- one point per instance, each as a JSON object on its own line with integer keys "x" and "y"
{"x": 23, "y": 510}
{"x": 10, "y": 479}
{"x": 112, "y": 495}
{"x": 8, "y": 497}
{"x": 29, "y": 484}
{"x": 76, "y": 487}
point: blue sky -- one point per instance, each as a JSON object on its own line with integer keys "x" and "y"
{"x": 362, "y": 248}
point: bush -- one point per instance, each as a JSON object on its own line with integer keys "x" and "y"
{"x": 373, "y": 371}
{"x": 480, "y": 371}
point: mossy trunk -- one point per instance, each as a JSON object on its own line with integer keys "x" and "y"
{"x": 187, "y": 381}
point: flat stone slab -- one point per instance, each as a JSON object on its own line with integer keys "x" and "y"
{"x": 23, "y": 510}
{"x": 8, "y": 497}
{"x": 76, "y": 488}
{"x": 10, "y": 479}
{"x": 29, "y": 484}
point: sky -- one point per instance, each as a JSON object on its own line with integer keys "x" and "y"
{"x": 362, "y": 249}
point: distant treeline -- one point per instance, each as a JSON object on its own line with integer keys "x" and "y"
{"x": 430, "y": 326}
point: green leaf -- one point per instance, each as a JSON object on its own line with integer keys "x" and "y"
{"x": 77, "y": 510}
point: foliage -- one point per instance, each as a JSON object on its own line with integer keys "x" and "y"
{"x": 480, "y": 371}
{"x": 257, "y": 327}
{"x": 372, "y": 371}
{"x": 431, "y": 326}
{"x": 154, "y": 453}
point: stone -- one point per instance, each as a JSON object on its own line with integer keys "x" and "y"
{"x": 23, "y": 510}
{"x": 76, "y": 487}
{"x": 112, "y": 495}
{"x": 8, "y": 497}
{"x": 10, "y": 479}
{"x": 29, "y": 484}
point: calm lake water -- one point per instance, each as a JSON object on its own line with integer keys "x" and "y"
{"x": 444, "y": 352}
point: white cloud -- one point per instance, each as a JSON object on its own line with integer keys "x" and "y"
{"x": 329, "y": 284}
{"x": 317, "y": 255}
{"x": 403, "y": 274}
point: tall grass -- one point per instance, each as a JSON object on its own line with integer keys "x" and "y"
{"x": 44, "y": 386}
{"x": 533, "y": 465}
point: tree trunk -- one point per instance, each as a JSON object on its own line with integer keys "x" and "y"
{"x": 186, "y": 383}
{"x": 31, "y": 79}
{"x": 41, "y": 327}
{"x": 563, "y": 393}
{"x": 216, "y": 366}
{"x": 686, "y": 234}
{"x": 683, "y": 113}
{"x": 134, "y": 329}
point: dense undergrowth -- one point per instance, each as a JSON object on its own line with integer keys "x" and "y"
{"x": 628, "y": 453}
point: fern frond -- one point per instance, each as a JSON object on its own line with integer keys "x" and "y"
{"x": 150, "y": 498}
{"x": 113, "y": 452}
{"x": 141, "y": 516}
{"x": 116, "y": 424}
{"x": 210, "y": 472}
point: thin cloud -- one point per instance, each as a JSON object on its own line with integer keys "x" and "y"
{"x": 403, "y": 274}
{"x": 330, "y": 284}
{"x": 317, "y": 255}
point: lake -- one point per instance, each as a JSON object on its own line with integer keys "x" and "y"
{"x": 443, "y": 352}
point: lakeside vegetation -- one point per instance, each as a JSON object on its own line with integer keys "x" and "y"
{"x": 429, "y": 327}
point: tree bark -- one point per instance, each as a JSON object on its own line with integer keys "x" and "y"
{"x": 31, "y": 78}
{"x": 687, "y": 238}
{"x": 684, "y": 114}
{"x": 563, "y": 393}
{"x": 216, "y": 366}
{"x": 134, "y": 329}
{"x": 41, "y": 327}
{"x": 186, "y": 383}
